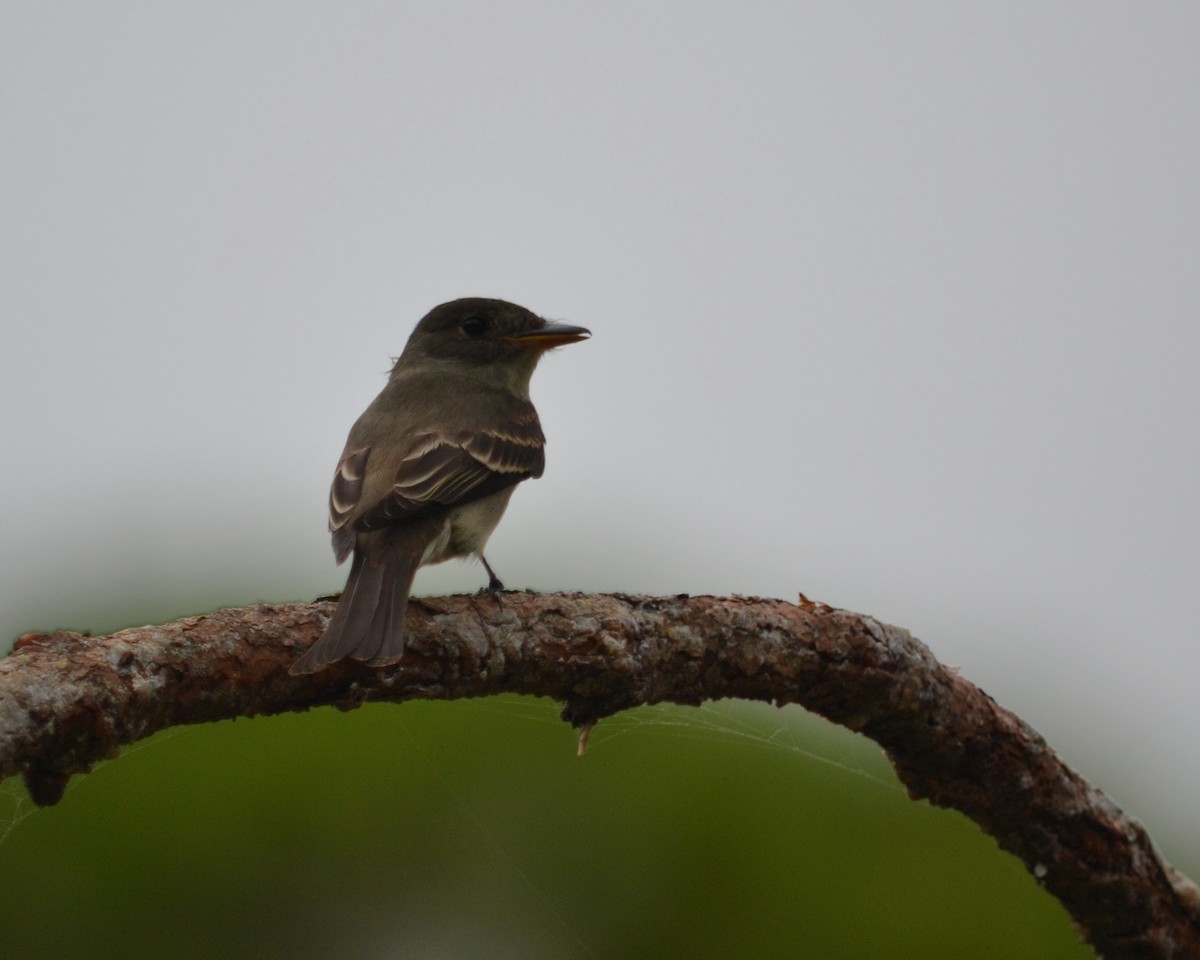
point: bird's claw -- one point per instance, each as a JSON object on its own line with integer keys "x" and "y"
{"x": 494, "y": 587}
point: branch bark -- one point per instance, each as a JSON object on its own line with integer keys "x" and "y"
{"x": 68, "y": 700}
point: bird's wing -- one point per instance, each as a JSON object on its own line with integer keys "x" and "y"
{"x": 438, "y": 469}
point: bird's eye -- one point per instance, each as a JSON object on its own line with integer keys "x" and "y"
{"x": 474, "y": 326}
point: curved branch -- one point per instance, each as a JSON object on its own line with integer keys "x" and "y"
{"x": 68, "y": 700}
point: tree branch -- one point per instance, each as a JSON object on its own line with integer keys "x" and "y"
{"x": 67, "y": 701}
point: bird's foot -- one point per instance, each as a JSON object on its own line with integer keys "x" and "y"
{"x": 494, "y": 587}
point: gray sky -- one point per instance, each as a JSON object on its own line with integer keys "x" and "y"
{"x": 895, "y": 304}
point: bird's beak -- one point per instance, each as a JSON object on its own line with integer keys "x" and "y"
{"x": 552, "y": 335}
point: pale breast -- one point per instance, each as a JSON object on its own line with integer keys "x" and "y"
{"x": 466, "y": 529}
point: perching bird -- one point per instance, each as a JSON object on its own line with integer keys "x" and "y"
{"x": 431, "y": 464}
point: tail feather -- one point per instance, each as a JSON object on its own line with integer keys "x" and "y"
{"x": 383, "y": 641}
{"x": 368, "y": 623}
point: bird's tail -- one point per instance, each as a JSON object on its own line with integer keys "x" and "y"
{"x": 368, "y": 623}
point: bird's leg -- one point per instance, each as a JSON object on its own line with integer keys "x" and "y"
{"x": 494, "y": 585}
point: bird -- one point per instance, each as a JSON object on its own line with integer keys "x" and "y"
{"x": 429, "y": 467}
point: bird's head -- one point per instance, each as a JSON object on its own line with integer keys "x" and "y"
{"x": 490, "y": 338}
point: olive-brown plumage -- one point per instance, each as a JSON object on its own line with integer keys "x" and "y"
{"x": 429, "y": 467}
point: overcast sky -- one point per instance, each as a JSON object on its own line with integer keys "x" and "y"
{"x": 894, "y": 304}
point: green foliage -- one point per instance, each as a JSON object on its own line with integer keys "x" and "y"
{"x": 471, "y": 829}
